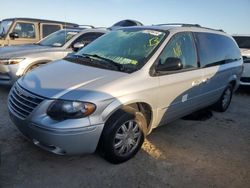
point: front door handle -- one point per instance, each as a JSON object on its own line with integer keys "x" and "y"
{"x": 199, "y": 82}
{"x": 205, "y": 80}
{"x": 196, "y": 83}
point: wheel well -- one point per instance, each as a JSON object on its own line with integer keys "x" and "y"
{"x": 145, "y": 109}
{"x": 233, "y": 82}
{"x": 35, "y": 63}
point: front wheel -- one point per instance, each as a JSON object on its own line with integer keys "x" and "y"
{"x": 123, "y": 135}
{"x": 225, "y": 100}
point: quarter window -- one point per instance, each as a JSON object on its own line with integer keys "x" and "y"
{"x": 216, "y": 49}
{"x": 181, "y": 46}
{"x": 48, "y": 29}
{"x": 25, "y": 30}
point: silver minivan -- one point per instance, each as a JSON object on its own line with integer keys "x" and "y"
{"x": 116, "y": 90}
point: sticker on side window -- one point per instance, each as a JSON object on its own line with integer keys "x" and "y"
{"x": 177, "y": 50}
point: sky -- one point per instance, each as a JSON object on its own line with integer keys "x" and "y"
{"x": 233, "y": 16}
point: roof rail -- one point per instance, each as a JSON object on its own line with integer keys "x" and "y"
{"x": 189, "y": 25}
{"x": 100, "y": 27}
{"x": 181, "y": 24}
{"x": 213, "y": 29}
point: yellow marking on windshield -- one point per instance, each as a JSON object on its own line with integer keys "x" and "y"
{"x": 154, "y": 41}
{"x": 133, "y": 62}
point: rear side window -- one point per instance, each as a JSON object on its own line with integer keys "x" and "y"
{"x": 216, "y": 49}
{"x": 25, "y": 30}
{"x": 48, "y": 29}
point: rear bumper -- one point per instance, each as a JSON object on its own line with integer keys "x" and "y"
{"x": 60, "y": 141}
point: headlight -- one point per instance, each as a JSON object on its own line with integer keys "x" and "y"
{"x": 11, "y": 61}
{"x": 61, "y": 109}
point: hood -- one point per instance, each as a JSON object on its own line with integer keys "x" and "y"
{"x": 22, "y": 50}
{"x": 67, "y": 80}
{"x": 245, "y": 52}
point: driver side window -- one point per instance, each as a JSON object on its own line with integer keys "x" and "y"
{"x": 25, "y": 30}
{"x": 181, "y": 46}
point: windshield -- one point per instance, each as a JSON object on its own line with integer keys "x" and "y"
{"x": 243, "y": 41}
{"x": 58, "y": 38}
{"x": 4, "y": 27}
{"x": 129, "y": 47}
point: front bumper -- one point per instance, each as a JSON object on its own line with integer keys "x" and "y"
{"x": 8, "y": 74}
{"x": 245, "y": 81}
{"x": 60, "y": 141}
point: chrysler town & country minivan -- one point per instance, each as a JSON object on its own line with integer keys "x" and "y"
{"x": 116, "y": 90}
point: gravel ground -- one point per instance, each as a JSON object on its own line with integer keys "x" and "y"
{"x": 185, "y": 153}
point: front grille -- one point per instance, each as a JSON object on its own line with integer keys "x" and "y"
{"x": 22, "y": 102}
{"x": 245, "y": 79}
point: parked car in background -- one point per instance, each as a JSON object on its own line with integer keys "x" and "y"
{"x": 126, "y": 23}
{"x": 16, "y": 61}
{"x": 243, "y": 42}
{"x": 15, "y": 31}
{"x": 114, "y": 91}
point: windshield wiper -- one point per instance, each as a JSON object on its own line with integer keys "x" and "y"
{"x": 43, "y": 45}
{"x": 75, "y": 56}
{"x": 109, "y": 61}
{"x": 88, "y": 60}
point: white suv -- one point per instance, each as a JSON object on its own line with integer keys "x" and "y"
{"x": 244, "y": 45}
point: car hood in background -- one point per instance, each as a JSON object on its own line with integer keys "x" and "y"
{"x": 22, "y": 50}
{"x": 67, "y": 80}
{"x": 245, "y": 52}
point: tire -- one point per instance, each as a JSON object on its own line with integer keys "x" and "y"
{"x": 123, "y": 135}
{"x": 223, "y": 103}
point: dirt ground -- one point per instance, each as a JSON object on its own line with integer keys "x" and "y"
{"x": 185, "y": 153}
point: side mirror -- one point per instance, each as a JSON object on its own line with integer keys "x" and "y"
{"x": 171, "y": 64}
{"x": 78, "y": 46}
{"x": 13, "y": 35}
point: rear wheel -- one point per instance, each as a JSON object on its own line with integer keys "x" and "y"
{"x": 123, "y": 135}
{"x": 225, "y": 100}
